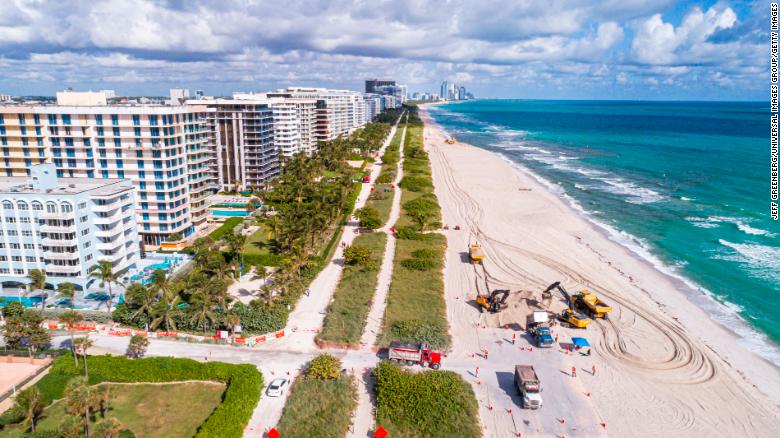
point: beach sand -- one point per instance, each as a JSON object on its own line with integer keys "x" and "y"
{"x": 665, "y": 368}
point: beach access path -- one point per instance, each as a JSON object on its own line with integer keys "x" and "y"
{"x": 663, "y": 367}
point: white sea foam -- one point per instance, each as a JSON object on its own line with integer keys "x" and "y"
{"x": 722, "y": 311}
{"x": 754, "y": 231}
{"x": 684, "y": 198}
{"x": 762, "y": 261}
{"x": 740, "y": 223}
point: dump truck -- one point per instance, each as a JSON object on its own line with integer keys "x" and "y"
{"x": 411, "y": 354}
{"x": 475, "y": 253}
{"x": 570, "y": 318}
{"x": 495, "y": 302}
{"x": 591, "y": 304}
{"x": 529, "y": 386}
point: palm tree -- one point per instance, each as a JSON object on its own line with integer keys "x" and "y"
{"x": 108, "y": 428}
{"x": 38, "y": 283}
{"x": 70, "y": 318}
{"x": 203, "y": 303}
{"x": 137, "y": 346}
{"x": 67, "y": 290}
{"x": 104, "y": 271}
{"x": 165, "y": 311}
{"x": 78, "y": 403}
{"x": 235, "y": 245}
{"x": 237, "y": 184}
{"x": 29, "y": 404}
{"x": 82, "y": 345}
{"x": 142, "y": 298}
{"x": 160, "y": 283}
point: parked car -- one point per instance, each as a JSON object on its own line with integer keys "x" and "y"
{"x": 277, "y": 387}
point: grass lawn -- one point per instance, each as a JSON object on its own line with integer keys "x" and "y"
{"x": 257, "y": 249}
{"x": 319, "y": 408}
{"x": 174, "y": 410}
{"x": 225, "y": 228}
{"x": 346, "y": 317}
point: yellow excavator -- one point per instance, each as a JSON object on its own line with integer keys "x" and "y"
{"x": 450, "y": 140}
{"x": 495, "y": 302}
{"x": 569, "y": 317}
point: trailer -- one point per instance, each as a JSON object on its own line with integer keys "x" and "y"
{"x": 411, "y": 354}
{"x": 529, "y": 386}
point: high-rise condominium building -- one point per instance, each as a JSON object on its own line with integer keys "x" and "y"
{"x": 242, "y": 131}
{"x": 372, "y": 84}
{"x": 373, "y": 106}
{"x": 164, "y": 150}
{"x": 65, "y": 226}
{"x": 339, "y": 112}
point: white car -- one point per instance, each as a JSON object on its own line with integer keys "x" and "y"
{"x": 277, "y": 387}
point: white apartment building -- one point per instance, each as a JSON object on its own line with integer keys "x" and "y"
{"x": 339, "y": 112}
{"x": 373, "y": 104}
{"x": 164, "y": 150}
{"x": 242, "y": 132}
{"x": 64, "y": 226}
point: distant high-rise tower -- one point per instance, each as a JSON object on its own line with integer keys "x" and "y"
{"x": 373, "y": 84}
{"x": 462, "y": 93}
{"x": 444, "y": 90}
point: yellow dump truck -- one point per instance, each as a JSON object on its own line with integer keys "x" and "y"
{"x": 475, "y": 253}
{"x": 591, "y": 304}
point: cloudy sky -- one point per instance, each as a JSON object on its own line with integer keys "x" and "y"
{"x": 609, "y": 49}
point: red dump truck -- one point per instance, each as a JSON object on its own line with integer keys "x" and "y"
{"x": 410, "y": 354}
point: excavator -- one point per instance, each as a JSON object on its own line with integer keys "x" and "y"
{"x": 493, "y": 303}
{"x": 568, "y": 317}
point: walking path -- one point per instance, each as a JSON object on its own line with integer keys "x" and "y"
{"x": 306, "y": 320}
{"x": 363, "y": 421}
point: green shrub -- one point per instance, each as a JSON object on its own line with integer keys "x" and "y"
{"x": 427, "y": 404}
{"x": 324, "y": 367}
{"x": 417, "y": 264}
{"x": 369, "y": 218}
{"x": 425, "y": 253}
{"x": 97, "y": 316}
{"x": 357, "y": 255}
{"x": 415, "y": 330}
{"x": 408, "y": 233}
{"x": 385, "y": 177}
{"x": 415, "y": 183}
{"x": 225, "y": 228}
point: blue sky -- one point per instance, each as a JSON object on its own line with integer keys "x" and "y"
{"x": 582, "y": 49}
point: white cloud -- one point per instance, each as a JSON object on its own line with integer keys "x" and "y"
{"x": 658, "y": 42}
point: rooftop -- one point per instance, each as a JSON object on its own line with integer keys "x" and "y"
{"x": 65, "y": 186}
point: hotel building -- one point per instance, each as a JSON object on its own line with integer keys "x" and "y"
{"x": 64, "y": 226}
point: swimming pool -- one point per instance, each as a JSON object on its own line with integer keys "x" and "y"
{"x": 234, "y": 204}
{"x": 229, "y": 213}
{"x": 26, "y": 301}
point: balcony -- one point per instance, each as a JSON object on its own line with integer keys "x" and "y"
{"x": 57, "y": 215}
{"x": 48, "y": 241}
{"x": 58, "y": 228}
{"x": 63, "y": 269}
{"x": 50, "y": 255}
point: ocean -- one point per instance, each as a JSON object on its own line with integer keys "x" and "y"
{"x": 684, "y": 185}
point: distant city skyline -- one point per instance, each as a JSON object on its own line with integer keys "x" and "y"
{"x": 613, "y": 49}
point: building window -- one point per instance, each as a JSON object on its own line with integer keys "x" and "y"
{"x": 21, "y": 205}
{"x": 10, "y": 220}
{"x": 37, "y": 206}
{"x": 12, "y": 233}
{"x": 26, "y": 233}
{"x": 88, "y": 257}
{"x": 30, "y": 259}
{"x": 29, "y": 246}
{"x": 84, "y": 232}
{"x": 19, "y": 271}
{"x": 24, "y": 220}
{"x": 83, "y": 219}
{"x": 83, "y": 205}
{"x": 66, "y": 207}
{"x": 87, "y": 244}
{"x": 8, "y": 205}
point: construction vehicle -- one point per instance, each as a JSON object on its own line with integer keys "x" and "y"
{"x": 475, "y": 253}
{"x": 529, "y": 385}
{"x": 493, "y": 303}
{"x": 411, "y": 354}
{"x": 591, "y": 304}
{"x": 543, "y": 336}
{"x": 571, "y": 318}
{"x": 450, "y": 140}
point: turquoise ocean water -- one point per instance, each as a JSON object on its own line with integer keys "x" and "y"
{"x": 684, "y": 185}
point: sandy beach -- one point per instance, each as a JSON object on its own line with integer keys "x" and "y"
{"x": 664, "y": 367}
